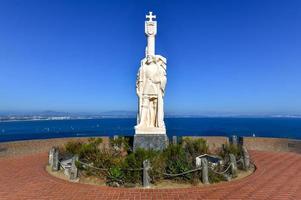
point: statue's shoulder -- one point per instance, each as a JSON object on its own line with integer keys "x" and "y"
{"x": 161, "y": 58}
{"x": 162, "y": 61}
{"x": 142, "y": 62}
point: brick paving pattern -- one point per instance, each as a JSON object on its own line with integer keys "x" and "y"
{"x": 278, "y": 176}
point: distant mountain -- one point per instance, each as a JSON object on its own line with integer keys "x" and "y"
{"x": 53, "y": 113}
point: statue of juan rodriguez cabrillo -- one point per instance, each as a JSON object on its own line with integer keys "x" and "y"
{"x": 150, "y": 87}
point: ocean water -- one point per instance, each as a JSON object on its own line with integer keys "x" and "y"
{"x": 262, "y": 127}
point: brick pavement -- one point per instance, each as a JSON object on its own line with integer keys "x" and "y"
{"x": 278, "y": 176}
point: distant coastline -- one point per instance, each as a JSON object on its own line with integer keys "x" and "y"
{"x": 280, "y": 127}
{"x": 62, "y": 118}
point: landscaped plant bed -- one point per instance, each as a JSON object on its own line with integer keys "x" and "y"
{"x": 117, "y": 166}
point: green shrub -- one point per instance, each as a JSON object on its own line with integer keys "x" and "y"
{"x": 120, "y": 142}
{"x": 215, "y": 178}
{"x": 73, "y": 147}
{"x": 230, "y": 149}
{"x": 115, "y": 176}
{"x": 134, "y": 162}
{"x": 88, "y": 152}
{"x": 83, "y": 149}
{"x": 95, "y": 141}
{"x": 126, "y": 169}
{"x": 176, "y": 161}
{"x": 158, "y": 165}
{"x": 194, "y": 148}
{"x": 99, "y": 158}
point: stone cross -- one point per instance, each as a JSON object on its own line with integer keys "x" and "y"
{"x": 150, "y": 16}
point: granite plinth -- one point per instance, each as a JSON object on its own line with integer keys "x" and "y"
{"x": 150, "y": 141}
{"x": 150, "y": 130}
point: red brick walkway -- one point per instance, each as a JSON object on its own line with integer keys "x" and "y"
{"x": 278, "y": 176}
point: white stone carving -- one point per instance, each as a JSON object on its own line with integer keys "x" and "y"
{"x": 150, "y": 85}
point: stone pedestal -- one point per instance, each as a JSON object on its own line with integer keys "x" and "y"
{"x": 150, "y": 141}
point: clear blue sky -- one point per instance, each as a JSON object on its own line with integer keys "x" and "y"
{"x": 240, "y": 57}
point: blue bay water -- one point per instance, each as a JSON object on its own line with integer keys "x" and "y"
{"x": 262, "y": 127}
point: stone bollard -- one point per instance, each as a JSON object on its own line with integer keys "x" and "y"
{"x": 234, "y": 140}
{"x": 198, "y": 162}
{"x": 73, "y": 171}
{"x": 115, "y": 146}
{"x": 233, "y": 165}
{"x": 240, "y": 140}
{"x": 174, "y": 140}
{"x": 55, "y": 160}
{"x": 204, "y": 164}
{"x": 146, "y": 177}
{"x": 50, "y": 156}
{"x": 246, "y": 158}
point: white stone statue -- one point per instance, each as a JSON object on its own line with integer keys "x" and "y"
{"x": 150, "y": 85}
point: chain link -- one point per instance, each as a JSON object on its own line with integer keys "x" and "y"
{"x": 223, "y": 172}
{"x": 183, "y": 173}
{"x": 105, "y": 169}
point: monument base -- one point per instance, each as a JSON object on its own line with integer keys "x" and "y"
{"x": 150, "y": 141}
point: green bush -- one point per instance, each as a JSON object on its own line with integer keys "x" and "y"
{"x": 95, "y": 141}
{"x": 89, "y": 152}
{"x": 105, "y": 159}
{"x": 73, "y": 147}
{"x": 126, "y": 169}
{"x": 194, "y": 148}
{"x": 133, "y": 164}
{"x": 176, "y": 161}
{"x": 80, "y": 148}
{"x": 230, "y": 149}
{"x": 158, "y": 166}
{"x": 115, "y": 176}
{"x": 181, "y": 157}
{"x": 120, "y": 144}
{"x": 215, "y": 178}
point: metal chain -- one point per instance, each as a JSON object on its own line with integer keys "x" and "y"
{"x": 166, "y": 174}
{"x": 183, "y": 173}
{"x": 104, "y": 169}
{"x": 223, "y": 172}
{"x": 85, "y": 164}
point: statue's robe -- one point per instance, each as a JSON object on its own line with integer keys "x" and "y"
{"x": 150, "y": 87}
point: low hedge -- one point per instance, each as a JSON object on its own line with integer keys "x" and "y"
{"x": 122, "y": 167}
